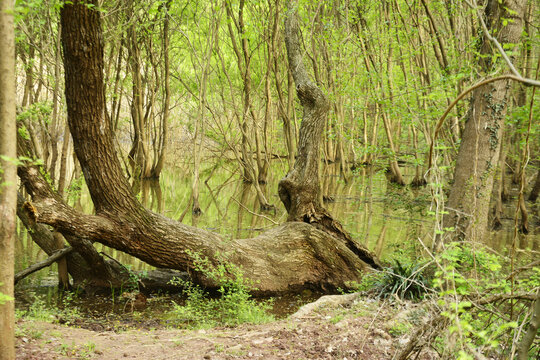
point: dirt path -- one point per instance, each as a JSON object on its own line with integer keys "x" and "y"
{"x": 362, "y": 330}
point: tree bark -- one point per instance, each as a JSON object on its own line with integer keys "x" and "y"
{"x": 86, "y": 266}
{"x": 468, "y": 203}
{"x": 289, "y": 257}
{"x": 164, "y": 135}
{"x": 300, "y": 190}
{"x": 8, "y": 180}
{"x": 536, "y": 188}
{"x": 532, "y": 332}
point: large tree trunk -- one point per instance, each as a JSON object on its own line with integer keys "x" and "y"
{"x": 291, "y": 256}
{"x": 8, "y": 180}
{"x": 299, "y": 190}
{"x": 468, "y": 203}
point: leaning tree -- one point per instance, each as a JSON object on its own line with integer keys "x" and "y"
{"x": 310, "y": 250}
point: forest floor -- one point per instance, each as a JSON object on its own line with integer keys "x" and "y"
{"x": 339, "y": 327}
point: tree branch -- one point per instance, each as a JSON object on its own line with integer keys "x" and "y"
{"x": 40, "y": 265}
{"x": 499, "y": 47}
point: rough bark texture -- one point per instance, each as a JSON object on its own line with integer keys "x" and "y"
{"x": 8, "y": 179}
{"x": 532, "y": 331}
{"x": 299, "y": 190}
{"x": 291, "y": 256}
{"x": 468, "y": 203}
{"x": 86, "y": 266}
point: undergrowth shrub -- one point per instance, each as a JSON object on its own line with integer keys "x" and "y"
{"x": 233, "y": 306}
{"x": 405, "y": 280}
{"x": 47, "y": 309}
{"x": 474, "y": 292}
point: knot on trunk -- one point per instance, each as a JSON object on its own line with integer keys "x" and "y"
{"x": 311, "y": 96}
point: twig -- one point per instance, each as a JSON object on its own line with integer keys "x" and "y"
{"x": 440, "y": 321}
{"x": 527, "y": 81}
{"x": 523, "y": 268}
{"x": 516, "y": 77}
{"x": 254, "y": 213}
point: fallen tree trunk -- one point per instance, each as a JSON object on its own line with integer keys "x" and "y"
{"x": 82, "y": 265}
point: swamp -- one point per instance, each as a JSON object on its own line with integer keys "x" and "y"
{"x": 296, "y": 179}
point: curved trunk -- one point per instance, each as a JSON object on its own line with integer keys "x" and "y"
{"x": 299, "y": 190}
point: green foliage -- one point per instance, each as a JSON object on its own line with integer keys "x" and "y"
{"x": 233, "y": 306}
{"x": 134, "y": 279}
{"x": 472, "y": 273}
{"x": 406, "y": 281}
{"x": 469, "y": 270}
{"x": 36, "y": 112}
{"x": 75, "y": 188}
{"x": 45, "y": 309}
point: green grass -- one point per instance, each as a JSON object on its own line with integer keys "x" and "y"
{"x": 232, "y": 307}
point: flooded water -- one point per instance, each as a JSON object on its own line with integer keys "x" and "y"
{"x": 389, "y": 220}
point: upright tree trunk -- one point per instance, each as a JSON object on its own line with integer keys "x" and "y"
{"x": 498, "y": 187}
{"x": 300, "y": 190}
{"x": 139, "y": 157}
{"x": 395, "y": 172}
{"x": 468, "y": 203}
{"x": 201, "y": 114}
{"x": 8, "y": 180}
{"x": 159, "y": 161}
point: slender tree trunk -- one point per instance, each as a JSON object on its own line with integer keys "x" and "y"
{"x": 285, "y": 107}
{"x": 419, "y": 179}
{"x": 8, "y": 180}
{"x": 395, "y": 172}
{"x": 199, "y": 121}
{"x": 63, "y": 277}
{"x": 498, "y": 189}
{"x": 54, "y": 126}
{"x": 138, "y": 155}
{"x": 164, "y": 138}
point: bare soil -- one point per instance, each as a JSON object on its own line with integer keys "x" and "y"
{"x": 354, "y": 328}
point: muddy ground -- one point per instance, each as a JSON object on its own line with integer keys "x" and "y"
{"x": 340, "y": 328}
